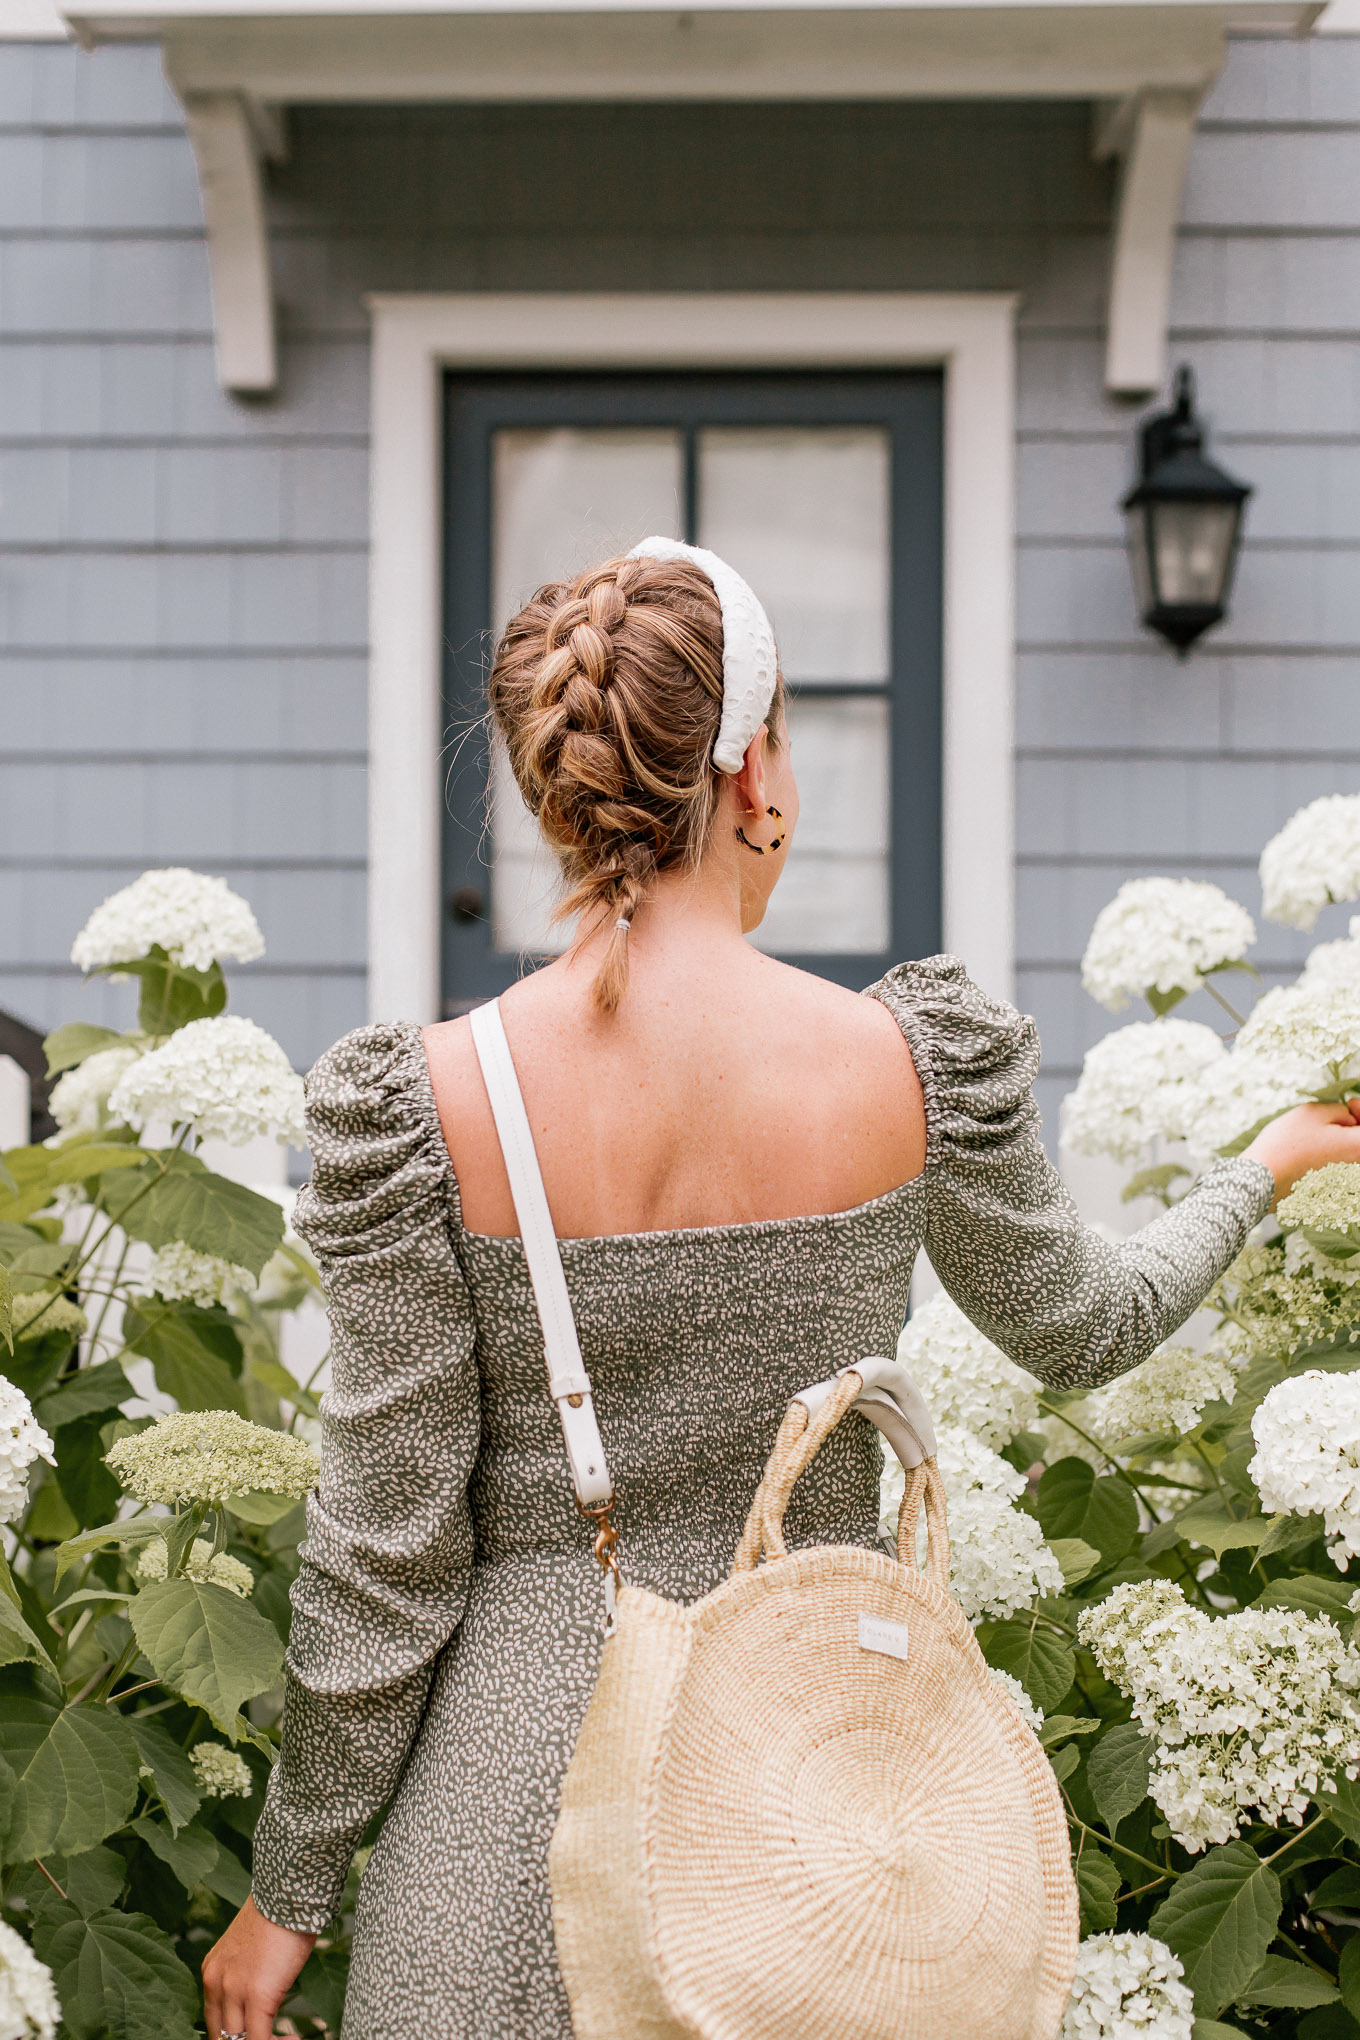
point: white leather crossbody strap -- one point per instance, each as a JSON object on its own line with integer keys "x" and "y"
{"x": 568, "y": 1382}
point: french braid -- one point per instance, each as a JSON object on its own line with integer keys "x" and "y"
{"x": 608, "y": 692}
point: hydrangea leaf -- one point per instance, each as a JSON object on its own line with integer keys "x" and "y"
{"x": 92, "y": 1392}
{"x": 1220, "y": 1918}
{"x": 259, "y": 1508}
{"x": 207, "y": 1644}
{"x": 1117, "y": 1772}
{"x": 1075, "y": 1558}
{"x": 1349, "y": 1976}
{"x": 1098, "y": 1882}
{"x": 190, "y": 1852}
{"x": 75, "y": 1771}
{"x": 68, "y": 1046}
{"x": 196, "y": 1353}
{"x": 117, "y": 1975}
{"x": 171, "y": 1772}
{"x": 1041, "y": 1662}
{"x": 1283, "y": 1985}
{"x": 1342, "y": 1807}
{"x": 1075, "y": 1502}
{"x": 1210, "y": 1524}
{"x": 1285, "y": 1532}
{"x": 1340, "y": 1889}
{"x": 322, "y": 1982}
{"x": 1064, "y": 1762}
{"x": 92, "y": 1880}
{"x": 17, "y": 1640}
{"x": 134, "y": 1530}
{"x": 1214, "y": 2029}
{"x": 90, "y": 1490}
{"x": 208, "y": 1212}
{"x": 6, "y": 1310}
{"x": 1310, "y": 1593}
{"x": 1058, "y": 1727}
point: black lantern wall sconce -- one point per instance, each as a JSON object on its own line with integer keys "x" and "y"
{"x": 1184, "y": 525}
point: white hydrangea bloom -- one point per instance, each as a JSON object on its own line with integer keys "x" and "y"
{"x": 999, "y": 1561}
{"x": 1166, "y": 1396}
{"x": 964, "y": 1378}
{"x": 1019, "y": 1698}
{"x": 1301, "y": 1257}
{"x": 1307, "y": 1460}
{"x": 218, "y": 1569}
{"x": 1162, "y": 934}
{"x": 221, "y": 1773}
{"x": 80, "y": 1097}
{"x": 196, "y": 920}
{"x": 1250, "y": 1713}
{"x": 1140, "y": 1082}
{"x": 226, "y": 1076}
{"x": 1128, "y": 1987}
{"x": 1335, "y": 963}
{"x": 28, "y": 2000}
{"x": 1314, "y": 859}
{"x": 1237, "y": 1093}
{"x": 1317, "y": 1025}
{"x": 22, "y": 1440}
{"x": 1327, "y": 1199}
{"x": 207, "y": 1455}
{"x": 179, "y": 1273}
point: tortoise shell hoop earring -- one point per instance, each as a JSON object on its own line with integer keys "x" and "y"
{"x": 761, "y": 848}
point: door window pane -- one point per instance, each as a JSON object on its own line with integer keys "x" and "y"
{"x": 832, "y": 898}
{"x": 565, "y": 499}
{"x": 562, "y": 500}
{"x": 804, "y": 515}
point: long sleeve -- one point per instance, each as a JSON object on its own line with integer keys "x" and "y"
{"x": 1002, "y": 1232}
{"x": 386, "y": 1560}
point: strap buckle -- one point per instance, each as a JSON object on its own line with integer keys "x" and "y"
{"x": 606, "y": 1539}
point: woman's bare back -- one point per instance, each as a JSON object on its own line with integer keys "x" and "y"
{"x": 727, "y": 1088}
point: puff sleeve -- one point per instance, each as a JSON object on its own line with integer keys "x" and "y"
{"x": 386, "y": 1561}
{"x": 1002, "y": 1231}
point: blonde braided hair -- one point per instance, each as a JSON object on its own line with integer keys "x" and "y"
{"x": 607, "y": 690}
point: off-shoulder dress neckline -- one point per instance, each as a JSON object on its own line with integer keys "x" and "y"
{"x": 429, "y": 1110}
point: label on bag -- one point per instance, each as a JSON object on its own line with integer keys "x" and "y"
{"x": 889, "y": 1639}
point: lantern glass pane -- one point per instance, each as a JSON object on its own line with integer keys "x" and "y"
{"x": 1137, "y": 539}
{"x": 1192, "y": 551}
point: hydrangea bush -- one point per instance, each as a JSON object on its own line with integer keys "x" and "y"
{"x": 150, "y": 1524}
{"x": 1163, "y": 1566}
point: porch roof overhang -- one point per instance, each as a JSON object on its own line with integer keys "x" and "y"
{"x": 237, "y": 65}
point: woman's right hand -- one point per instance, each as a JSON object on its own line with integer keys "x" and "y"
{"x": 249, "y": 1973}
{"x": 1308, "y": 1137}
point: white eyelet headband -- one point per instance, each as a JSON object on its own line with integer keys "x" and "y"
{"x": 750, "y": 662}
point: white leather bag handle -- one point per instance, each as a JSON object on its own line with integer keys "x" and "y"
{"x": 568, "y": 1382}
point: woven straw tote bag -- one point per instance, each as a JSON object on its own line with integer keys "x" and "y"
{"x": 799, "y": 1808}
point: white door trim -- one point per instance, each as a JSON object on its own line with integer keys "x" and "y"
{"x": 415, "y": 337}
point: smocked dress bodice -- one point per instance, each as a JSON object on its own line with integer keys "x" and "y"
{"x": 446, "y": 1624}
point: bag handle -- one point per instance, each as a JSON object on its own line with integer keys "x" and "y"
{"x": 568, "y": 1381}
{"x": 885, "y": 1393}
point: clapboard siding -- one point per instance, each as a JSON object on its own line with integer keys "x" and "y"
{"x": 182, "y": 588}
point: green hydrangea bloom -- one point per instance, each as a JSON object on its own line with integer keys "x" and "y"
{"x": 1327, "y": 1199}
{"x": 207, "y": 1455}
{"x": 46, "y": 1313}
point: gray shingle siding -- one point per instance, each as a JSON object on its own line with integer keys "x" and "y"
{"x": 182, "y": 583}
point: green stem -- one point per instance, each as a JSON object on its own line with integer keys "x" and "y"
{"x": 145, "y": 1687}
{"x": 1231, "y": 1011}
{"x": 1108, "y": 1457}
{"x": 1159, "y": 1870}
{"x": 1294, "y": 1839}
{"x": 109, "y": 1295}
{"x": 106, "y": 1691}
